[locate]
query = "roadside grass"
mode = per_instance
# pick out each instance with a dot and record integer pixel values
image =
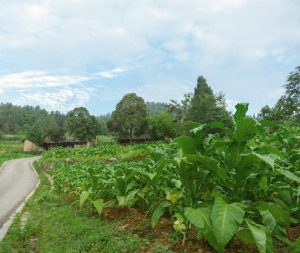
(54, 226)
(11, 147)
(12, 150)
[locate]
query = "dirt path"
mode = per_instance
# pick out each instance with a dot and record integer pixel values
(17, 181)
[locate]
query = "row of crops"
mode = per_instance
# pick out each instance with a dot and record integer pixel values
(227, 183)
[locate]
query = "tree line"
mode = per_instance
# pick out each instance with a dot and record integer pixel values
(134, 117)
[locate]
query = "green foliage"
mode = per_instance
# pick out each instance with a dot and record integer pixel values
(259, 235)
(243, 183)
(104, 139)
(159, 211)
(11, 147)
(219, 224)
(155, 108)
(36, 133)
(161, 125)
(53, 129)
(226, 220)
(288, 106)
(202, 102)
(202, 106)
(81, 124)
(102, 122)
(246, 165)
(45, 128)
(205, 106)
(180, 110)
(129, 117)
(15, 119)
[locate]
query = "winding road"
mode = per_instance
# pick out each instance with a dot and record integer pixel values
(17, 180)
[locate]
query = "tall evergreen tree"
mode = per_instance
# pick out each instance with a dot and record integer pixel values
(206, 106)
(202, 102)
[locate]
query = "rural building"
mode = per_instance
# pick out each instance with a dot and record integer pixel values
(67, 142)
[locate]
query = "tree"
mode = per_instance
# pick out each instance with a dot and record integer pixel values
(36, 133)
(206, 106)
(219, 112)
(203, 102)
(161, 125)
(102, 121)
(288, 105)
(179, 111)
(155, 107)
(53, 130)
(266, 113)
(201, 106)
(129, 117)
(81, 124)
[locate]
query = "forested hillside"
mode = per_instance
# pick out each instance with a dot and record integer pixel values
(14, 119)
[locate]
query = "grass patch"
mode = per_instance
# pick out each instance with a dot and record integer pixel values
(12, 150)
(11, 146)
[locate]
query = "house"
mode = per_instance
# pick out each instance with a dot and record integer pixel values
(67, 142)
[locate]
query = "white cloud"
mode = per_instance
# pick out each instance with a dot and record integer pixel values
(34, 79)
(111, 73)
(62, 100)
(237, 44)
(164, 91)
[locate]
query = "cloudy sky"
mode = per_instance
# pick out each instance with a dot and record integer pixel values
(60, 54)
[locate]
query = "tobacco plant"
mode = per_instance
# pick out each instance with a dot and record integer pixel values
(236, 183)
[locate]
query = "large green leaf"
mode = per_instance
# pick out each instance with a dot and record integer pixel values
(226, 219)
(268, 220)
(296, 246)
(214, 124)
(259, 235)
(288, 174)
(199, 128)
(280, 215)
(83, 197)
(210, 164)
(295, 157)
(245, 235)
(187, 144)
(159, 211)
(268, 159)
(245, 130)
(99, 204)
(200, 218)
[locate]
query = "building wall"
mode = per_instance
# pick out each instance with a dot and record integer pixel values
(30, 146)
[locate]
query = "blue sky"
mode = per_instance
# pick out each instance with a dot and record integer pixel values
(63, 54)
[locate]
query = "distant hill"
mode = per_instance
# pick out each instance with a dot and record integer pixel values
(16, 119)
(155, 107)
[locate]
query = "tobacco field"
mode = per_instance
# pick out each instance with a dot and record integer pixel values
(225, 184)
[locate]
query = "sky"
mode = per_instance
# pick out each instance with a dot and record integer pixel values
(65, 54)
